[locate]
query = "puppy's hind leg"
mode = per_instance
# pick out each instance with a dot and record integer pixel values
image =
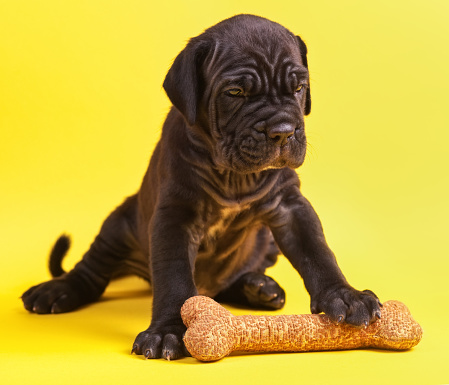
(255, 289)
(87, 281)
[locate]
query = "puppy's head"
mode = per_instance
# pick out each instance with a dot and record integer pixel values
(244, 86)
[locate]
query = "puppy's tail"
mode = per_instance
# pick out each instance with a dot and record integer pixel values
(57, 254)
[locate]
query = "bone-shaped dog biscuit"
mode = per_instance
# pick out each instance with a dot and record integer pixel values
(213, 332)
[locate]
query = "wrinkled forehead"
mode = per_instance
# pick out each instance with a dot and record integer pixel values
(259, 47)
(274, 62)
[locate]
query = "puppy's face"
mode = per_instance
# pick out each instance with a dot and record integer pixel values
(256, 107)
(252, 87)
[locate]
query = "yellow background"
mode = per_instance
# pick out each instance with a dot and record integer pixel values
(81, 108)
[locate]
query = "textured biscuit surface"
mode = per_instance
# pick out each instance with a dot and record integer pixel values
(213, 332)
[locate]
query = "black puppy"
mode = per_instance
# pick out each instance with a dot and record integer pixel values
(219, 196)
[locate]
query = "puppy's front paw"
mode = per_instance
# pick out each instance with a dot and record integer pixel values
(344, 303)
(161, 342)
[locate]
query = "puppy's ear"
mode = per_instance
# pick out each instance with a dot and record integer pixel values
(184, 83)
(303, 50)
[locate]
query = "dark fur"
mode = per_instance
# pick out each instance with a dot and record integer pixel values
(219, 195)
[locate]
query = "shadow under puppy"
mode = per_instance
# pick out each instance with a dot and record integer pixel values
(220, 194)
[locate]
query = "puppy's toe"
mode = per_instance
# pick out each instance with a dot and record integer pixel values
(165, 342)
(263, 291)
(55, 296)
(358, 308)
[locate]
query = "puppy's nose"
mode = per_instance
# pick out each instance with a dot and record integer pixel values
(280, 133)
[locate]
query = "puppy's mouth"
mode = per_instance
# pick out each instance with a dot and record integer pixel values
(265, 155)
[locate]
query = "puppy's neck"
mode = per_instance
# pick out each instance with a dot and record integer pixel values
(233, 189)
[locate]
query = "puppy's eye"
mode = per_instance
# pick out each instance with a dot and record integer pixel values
(299, 88)
(234, 92)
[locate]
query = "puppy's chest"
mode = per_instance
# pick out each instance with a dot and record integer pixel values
(221, 222)
(226, 228)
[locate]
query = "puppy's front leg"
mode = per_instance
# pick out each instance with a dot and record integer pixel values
(299, 234)
(172, 254)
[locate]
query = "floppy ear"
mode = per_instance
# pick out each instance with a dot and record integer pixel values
(183, 83)
(303, 50)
